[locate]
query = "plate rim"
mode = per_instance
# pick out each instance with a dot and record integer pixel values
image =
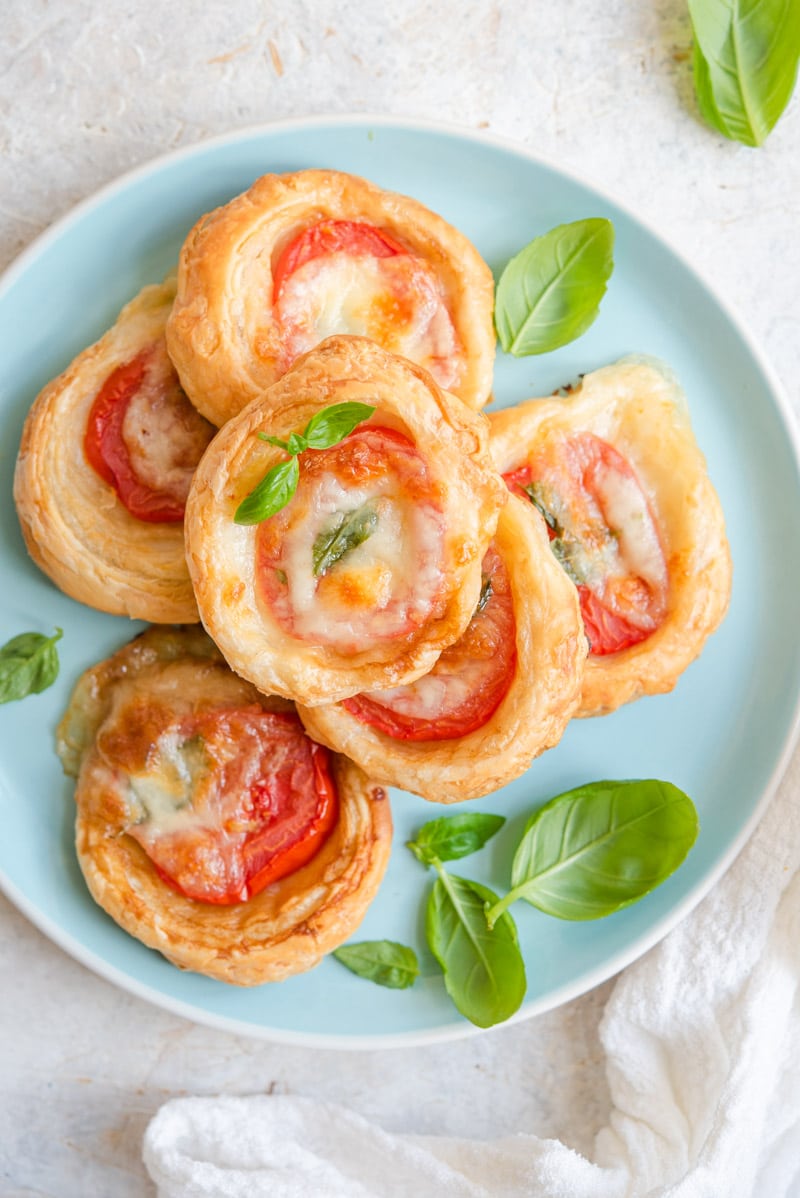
(588, 979)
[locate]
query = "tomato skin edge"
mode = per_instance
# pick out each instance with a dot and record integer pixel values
(107, 454)
(330, 237)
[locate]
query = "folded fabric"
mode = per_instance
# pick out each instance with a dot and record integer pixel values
(702, 1039)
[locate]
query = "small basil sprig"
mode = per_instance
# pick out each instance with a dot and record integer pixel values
(550, 292)
(325, 429)
(484, 973)
(28, 664)
(745, 63)
(599, 847)
(382, 961)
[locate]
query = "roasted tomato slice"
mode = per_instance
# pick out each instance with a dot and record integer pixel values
(356, 556)
(468, 682)
(351, 277)
(231, 801)
(144, 438)
(603, 532)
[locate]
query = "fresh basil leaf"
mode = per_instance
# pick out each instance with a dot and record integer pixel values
(296, 443)
(348, 532)
(745, 63)
(454, 836)
(334, 423)
(484, 973)
(599, 847)
(28, 665)
(273, 493)
(382, 961)
(550, 293)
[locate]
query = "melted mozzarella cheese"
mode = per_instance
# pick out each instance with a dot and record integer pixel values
(161, 797)
(381, 588)
(396, 301)
(628, 516)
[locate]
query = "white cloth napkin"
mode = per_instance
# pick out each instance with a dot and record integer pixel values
(702, 1038)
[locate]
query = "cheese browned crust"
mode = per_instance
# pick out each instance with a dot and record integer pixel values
(222, 336)
(290, 925)
(637, 406)
(75, 527)
(543, 695)
(221, 554)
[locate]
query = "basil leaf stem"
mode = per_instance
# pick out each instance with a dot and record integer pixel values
(346, 534)
(454, 836)
(599, 847)
(325, 429)
(28, 664)
(550, 292)
(384, 962)
(745, 63)
(484, 973)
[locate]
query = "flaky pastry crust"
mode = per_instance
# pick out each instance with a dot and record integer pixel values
(289, 926)
(75, 527)
(222, 336)
(638, 407)
(544, 692)
(221, 553)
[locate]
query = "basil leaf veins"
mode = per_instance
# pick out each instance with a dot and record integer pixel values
(484, 973)
(745, 63)
(384, 962)
(28, 664)
(550, 293)
(599, 847)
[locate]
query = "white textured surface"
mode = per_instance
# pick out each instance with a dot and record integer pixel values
(89, 90)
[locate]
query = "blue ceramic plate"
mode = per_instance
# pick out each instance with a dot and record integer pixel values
(724, 733)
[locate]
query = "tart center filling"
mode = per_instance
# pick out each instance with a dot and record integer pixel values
(603, 532)
(350, 277)
(144, 438)
(223, 801)
(357, 555)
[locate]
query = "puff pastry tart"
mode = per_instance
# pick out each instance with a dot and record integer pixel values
(374, 565)
(107, 454)
(633, 518)
(209, 825)
(494, 700)
(301, 257)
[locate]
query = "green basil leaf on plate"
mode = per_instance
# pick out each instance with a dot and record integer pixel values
(384, 962)
(600, 847)
(454, 836)
(745, 63)
(28, 665)
(550, 292)
(484, 973)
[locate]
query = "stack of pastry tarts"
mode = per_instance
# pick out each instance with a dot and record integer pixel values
(434, 598)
